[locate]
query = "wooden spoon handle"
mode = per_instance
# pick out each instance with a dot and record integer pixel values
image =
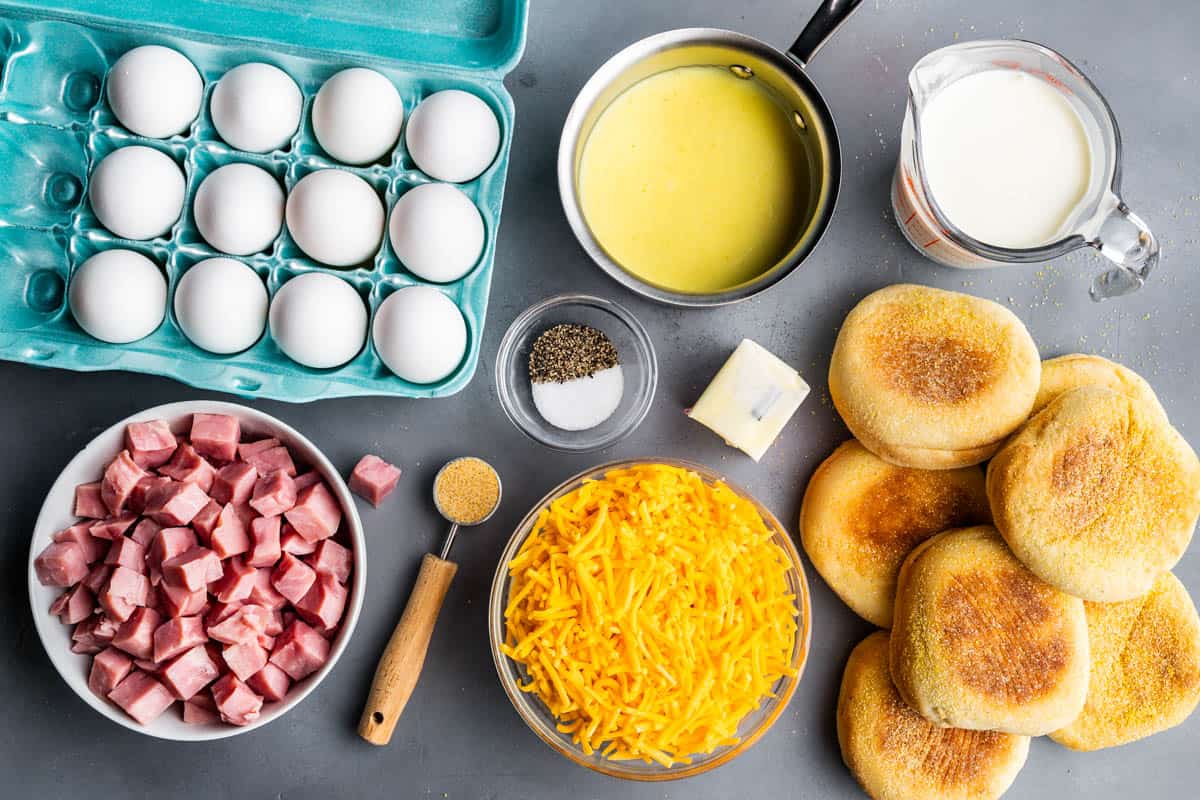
(402, 659)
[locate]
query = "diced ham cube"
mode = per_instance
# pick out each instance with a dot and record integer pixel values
(61, 564)
(113, 528)
(205, 520)
(179, 601)
(219, 612)
(175, 503)
(316, 514)
(145, 532)
(229, 537)
(234, 483)
(373, 479)
(189, 672)
(247, 449)
(109, 667)
(127, 553)
(200, 710)
(146, 665)
(307, 479)
(125, 591)
(300, 651)
(141, 697)
(136, 634)
(177, 635)
(136, 504)
(294, 543)
(236, 583)
(150, 443)
(333, 558)
(266, 641)
(93, 634)
(97, 578)
(292, 578)
(243, 625)
(264, 594)
(81, 534)
(216, 436)
(192, 570)
(168, 543)
(245, 658)
(271, 682)
(88, 502)
(264, 535)
(273, 459)
(236, 702)
(274, 494)
(188, 466)
(324, 603)
(275, 625)
(74, 605)
(119, 479)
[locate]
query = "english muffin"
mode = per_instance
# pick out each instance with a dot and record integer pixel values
(1145, 668)
(895, 754)
(932, 379)
(980, 642)
(862, 515)
(1064, 373)
(1097, 495)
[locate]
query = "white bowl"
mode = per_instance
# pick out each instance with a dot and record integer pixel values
(56, 514)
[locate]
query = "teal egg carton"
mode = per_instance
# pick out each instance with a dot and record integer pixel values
(56, 126)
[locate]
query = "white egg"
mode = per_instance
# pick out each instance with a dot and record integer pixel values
(118, 296)
(335, 217)
(453, 136)
(318, 320)
(155, 91)
(357, 116)
(420, 334)
(137, 192)
(256, 107)
(221, 305)
(239, 209)
(436, 232)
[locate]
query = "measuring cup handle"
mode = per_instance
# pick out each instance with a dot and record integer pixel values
(824, 23)
(1124, 239)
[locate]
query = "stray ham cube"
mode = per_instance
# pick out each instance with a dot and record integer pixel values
(61, 564)
(229, 537)
(136, 504)
(178, 601)
(272, 459)
(178, 635)
(243, 625)
(141, 697)
(136, 634)
(264, 594)
(127, 553)
(373, 479)
(175, 503)
(333, 558)
(109, 667)
(244, 658)
(264, 535)
(74, 605)
(294, 543)
(88, 502)
(113, 528)
(145, 532)
(119, 479)
(216, 436)
(150, 443)
(300, 651)
(292, 578)
(316, 514)
(324, 603)
(187, 466)
(81, 534)
(200, 710)
(236, 702)
(189, 672)
(271, 682)
(192, 570)
(274, 494)
(234, 483)
(236, 583)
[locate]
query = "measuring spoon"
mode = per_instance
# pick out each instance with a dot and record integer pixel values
(402, 659)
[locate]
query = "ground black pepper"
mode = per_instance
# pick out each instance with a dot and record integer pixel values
(565, 352)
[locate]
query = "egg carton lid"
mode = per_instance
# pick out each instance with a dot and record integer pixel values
(482, 36)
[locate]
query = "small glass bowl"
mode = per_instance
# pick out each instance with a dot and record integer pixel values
(634, 348)
(542, 722)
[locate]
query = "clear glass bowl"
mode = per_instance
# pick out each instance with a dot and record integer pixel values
(542, 722)
(634, 348)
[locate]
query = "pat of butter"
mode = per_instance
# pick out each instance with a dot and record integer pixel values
(751, 399)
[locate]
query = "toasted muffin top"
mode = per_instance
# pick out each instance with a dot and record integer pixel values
(1068, 372)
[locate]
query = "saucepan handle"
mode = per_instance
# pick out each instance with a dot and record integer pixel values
(824, 23)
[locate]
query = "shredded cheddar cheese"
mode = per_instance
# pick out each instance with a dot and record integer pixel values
(651, 612)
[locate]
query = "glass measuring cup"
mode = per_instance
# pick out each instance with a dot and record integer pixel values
(1100, 219)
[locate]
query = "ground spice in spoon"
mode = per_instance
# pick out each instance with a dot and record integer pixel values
(466, 490)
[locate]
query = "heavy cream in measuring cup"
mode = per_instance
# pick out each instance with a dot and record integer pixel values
(1006, 157)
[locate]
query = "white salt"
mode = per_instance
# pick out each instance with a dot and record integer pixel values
(580, 403)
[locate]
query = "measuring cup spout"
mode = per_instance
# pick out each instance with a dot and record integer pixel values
(1123, 238)
(824, 23)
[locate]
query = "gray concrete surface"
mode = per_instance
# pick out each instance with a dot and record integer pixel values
(460, 738)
